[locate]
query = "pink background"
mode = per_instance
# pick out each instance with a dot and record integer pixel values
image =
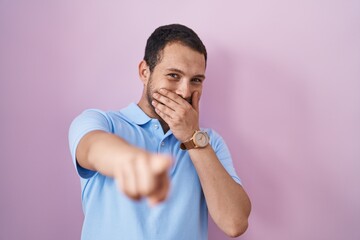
(283, 88)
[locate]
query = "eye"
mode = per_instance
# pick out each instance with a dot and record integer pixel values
(173, 75)
(197, 80)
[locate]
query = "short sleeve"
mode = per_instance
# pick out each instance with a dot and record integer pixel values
(223, 154)
(87, 121)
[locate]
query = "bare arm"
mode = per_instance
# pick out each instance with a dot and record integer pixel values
(227, 201)
(137, 172)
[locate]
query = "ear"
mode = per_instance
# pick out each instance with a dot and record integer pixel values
(144, 72)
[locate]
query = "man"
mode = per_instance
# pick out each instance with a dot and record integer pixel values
(149, 171)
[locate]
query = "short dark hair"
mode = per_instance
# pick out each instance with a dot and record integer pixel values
(166, 34)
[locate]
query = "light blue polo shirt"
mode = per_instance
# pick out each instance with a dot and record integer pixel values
(110, 215)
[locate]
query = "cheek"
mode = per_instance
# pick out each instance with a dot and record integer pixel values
(158, 82)
(168, 84)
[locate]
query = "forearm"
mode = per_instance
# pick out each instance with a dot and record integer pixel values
(227, 202)
(101, 151)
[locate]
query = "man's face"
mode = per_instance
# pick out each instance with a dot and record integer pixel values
(180, 70)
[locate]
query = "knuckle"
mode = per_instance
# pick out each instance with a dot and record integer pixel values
(144, 191)
(131, 194)
(167, 100)
(146, 188)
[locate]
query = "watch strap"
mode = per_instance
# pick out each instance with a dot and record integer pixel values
(188, 145)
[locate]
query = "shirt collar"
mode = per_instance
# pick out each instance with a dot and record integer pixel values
(135, 114)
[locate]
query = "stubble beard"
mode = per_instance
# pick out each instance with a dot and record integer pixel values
(149, 92)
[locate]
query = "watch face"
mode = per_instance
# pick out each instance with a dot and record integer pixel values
(201, 139)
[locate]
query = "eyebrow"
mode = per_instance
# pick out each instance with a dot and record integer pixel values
(181, 72)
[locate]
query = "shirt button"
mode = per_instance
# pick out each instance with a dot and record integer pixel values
(156, 126)
(162, 144)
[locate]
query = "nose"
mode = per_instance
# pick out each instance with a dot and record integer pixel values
(184, 90)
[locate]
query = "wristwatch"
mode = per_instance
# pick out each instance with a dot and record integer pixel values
(199, 139)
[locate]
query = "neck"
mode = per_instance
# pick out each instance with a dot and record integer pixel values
(164, 125)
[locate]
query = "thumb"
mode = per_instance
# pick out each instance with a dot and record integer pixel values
(195, 100)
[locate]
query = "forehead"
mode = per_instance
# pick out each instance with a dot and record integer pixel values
(179, 56)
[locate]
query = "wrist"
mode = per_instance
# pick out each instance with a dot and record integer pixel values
(189, 135)
(199, 139)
